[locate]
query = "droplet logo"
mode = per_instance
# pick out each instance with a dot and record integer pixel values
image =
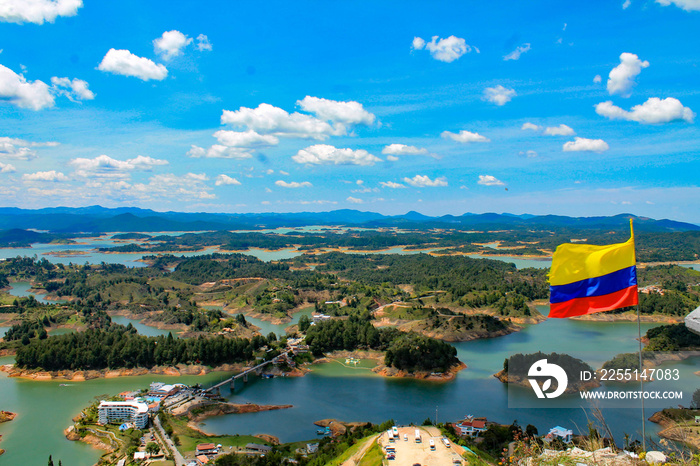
(541, 369)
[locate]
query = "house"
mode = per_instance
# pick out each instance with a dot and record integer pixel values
(311, 448)
(202, 459)
(162, 390)
(140, 455)
(471, 426)
(255, 447)
(559, 432)
(206, 449)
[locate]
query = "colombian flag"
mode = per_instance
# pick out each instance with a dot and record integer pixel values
(585, 278)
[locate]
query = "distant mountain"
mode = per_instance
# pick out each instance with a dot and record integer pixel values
(97, 219)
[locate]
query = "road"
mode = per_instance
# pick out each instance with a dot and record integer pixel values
(179, 460)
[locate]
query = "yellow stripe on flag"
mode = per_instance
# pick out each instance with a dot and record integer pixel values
(575, 262)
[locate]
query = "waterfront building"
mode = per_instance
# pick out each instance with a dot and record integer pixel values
(471, 426)
(123, 411)
(559, 432)
(162, 390)
(207, 449)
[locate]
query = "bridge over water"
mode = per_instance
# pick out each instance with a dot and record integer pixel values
(244, 375)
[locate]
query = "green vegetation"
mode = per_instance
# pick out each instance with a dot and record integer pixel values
(404, 351)
(675, 337)
(119, 346)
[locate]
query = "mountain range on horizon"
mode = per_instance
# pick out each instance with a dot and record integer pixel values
(97, 219)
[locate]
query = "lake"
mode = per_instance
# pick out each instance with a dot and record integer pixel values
(335, 391)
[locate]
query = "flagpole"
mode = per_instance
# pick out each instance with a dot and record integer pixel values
(641, 381)
(641, 366)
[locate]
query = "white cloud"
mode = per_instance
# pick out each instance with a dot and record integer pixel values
(19, 149)
(51, 175)
(597, 79)
(346, 113)
(171, 43)
(267, 119)
(422, 181)
(515, 54)
(335, 118)
(18, 91)
(464, 136)
(203, 43)
(531, 126)
(324, 154)
(587, 145)
(403, 149)
(561, 130)
(626, 4)
(7, 168)
(499, 95)
(37, 11)
(247, 138)
(188, 186)
(282, 172)
(488, 180)
(126, 63)
(106, 166)
(218, 151)
(418, 43)
(354, 200)
(391, 184)
(654, 110)
(446, 50)
(293, 184)
(621, 78)
(225, 180)
(75, 89)
(392, 158)
(687, 5)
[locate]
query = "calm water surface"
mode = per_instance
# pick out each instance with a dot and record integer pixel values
(357, 394)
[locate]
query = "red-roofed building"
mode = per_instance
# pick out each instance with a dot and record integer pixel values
(201, 459)
(471, 426)
(207, 449)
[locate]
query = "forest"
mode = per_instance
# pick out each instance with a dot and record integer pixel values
(122, 347)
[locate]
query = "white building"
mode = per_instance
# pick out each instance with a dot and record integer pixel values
(123, 411)
(559, 432)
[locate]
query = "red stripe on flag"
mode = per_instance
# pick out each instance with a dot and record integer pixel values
(582, 306)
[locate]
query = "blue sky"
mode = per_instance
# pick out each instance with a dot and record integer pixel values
(573, 108)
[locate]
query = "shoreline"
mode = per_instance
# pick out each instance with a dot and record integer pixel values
(85, 375)
(6, 416)
(675, 431)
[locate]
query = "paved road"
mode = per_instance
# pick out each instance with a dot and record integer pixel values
(179, 460)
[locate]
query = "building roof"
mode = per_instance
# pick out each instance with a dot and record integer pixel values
(476, 423)
(141, 407)
(203, 459)
(257, 446)
(206, 446)
(560, 431)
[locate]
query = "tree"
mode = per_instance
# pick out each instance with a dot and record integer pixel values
(152, 448)
(304, 323)
(695, 403)
(50, 461)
